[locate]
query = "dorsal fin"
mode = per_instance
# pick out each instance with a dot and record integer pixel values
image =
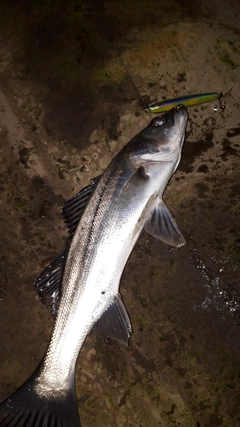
(48, 284)
(74, 207)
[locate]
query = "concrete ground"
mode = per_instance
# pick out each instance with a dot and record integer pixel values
(67, 105)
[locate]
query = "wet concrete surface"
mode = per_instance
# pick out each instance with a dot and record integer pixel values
(67, 105)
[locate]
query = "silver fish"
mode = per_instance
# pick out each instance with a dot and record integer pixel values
(120, 203)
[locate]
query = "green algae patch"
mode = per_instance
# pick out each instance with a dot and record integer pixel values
(141, 321)
(228, 52)
(112, 73)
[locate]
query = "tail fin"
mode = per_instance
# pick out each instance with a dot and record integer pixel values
(25, 408)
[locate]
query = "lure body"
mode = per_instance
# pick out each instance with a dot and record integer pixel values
(187, 101)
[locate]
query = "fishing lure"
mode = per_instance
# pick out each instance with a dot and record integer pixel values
(188, 101)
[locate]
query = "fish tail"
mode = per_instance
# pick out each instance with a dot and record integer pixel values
(26, 408)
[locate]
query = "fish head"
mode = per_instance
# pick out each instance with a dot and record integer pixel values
(161, 140)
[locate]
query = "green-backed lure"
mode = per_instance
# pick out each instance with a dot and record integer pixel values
(188, 101)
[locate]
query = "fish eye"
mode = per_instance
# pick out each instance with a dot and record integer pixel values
(158, 121)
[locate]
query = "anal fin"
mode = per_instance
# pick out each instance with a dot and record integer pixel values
(114, 322)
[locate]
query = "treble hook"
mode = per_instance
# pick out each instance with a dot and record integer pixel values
(222, 103)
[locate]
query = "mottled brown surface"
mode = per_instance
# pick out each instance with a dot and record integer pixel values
(67, 105)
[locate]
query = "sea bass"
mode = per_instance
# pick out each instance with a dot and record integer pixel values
(126, 199)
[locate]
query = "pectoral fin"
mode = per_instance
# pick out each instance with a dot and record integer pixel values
(162, 226)
(114, 322)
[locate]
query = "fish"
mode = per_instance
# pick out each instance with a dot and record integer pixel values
(105, 221)
(188, 101)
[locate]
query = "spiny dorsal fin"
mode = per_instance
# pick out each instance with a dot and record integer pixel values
(74, 207)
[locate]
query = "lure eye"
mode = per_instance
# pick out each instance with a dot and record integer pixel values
(158, 122)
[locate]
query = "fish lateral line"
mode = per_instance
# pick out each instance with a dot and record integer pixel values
(187, 101)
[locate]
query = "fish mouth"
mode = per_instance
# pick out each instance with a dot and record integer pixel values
(178, 114)
(161, 140)
(180, 119)
(165, 137)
